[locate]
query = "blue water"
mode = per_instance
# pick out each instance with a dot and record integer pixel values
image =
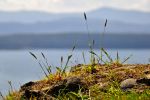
(20, 67)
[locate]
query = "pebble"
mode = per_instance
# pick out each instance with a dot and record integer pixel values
(128, 83)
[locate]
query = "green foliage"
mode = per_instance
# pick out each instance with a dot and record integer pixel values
(115, 93)
(107, 55)
(72, 96)
(109, 60)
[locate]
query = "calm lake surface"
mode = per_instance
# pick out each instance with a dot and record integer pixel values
(19, 67)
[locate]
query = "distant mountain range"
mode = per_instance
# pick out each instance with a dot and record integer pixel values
(119, 21)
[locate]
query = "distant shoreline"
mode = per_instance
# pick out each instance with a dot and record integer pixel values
(67, 41)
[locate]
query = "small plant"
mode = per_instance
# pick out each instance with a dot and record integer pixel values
(110, 61)
(117, 61)
(102, 38)
(46, 68)
(62, 70)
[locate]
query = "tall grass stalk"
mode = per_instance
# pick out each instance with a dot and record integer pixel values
(102, 38)
(90, 41)
(87, 27)
(103, 34)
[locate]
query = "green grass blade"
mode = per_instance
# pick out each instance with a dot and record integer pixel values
(107, 55)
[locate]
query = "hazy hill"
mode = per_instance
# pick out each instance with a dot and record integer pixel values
(126, 16)
(119, 21)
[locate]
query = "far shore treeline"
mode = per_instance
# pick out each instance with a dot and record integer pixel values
(67, 41)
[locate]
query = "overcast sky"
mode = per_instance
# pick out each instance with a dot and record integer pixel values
(57, 6)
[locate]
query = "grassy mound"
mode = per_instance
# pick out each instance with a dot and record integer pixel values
(92, 82)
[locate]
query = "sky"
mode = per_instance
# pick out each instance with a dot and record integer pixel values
(59, 6)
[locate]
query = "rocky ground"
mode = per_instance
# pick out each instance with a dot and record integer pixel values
(92, 82)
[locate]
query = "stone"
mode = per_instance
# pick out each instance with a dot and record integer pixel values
(128, 83)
